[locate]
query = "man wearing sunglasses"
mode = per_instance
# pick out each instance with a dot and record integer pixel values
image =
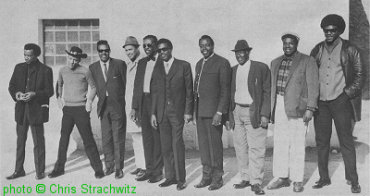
(109, 76)
(340, 75)
(172, 106)
(141, 111)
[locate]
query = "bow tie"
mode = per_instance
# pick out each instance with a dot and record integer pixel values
(151, 58)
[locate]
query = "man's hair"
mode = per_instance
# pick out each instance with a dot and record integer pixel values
(207, 37)
(34, 47)
(165, 41)
(152, 37)
(102, 42)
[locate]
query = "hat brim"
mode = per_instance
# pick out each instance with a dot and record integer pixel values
(137, 45)
(83, 55)
(239, 49)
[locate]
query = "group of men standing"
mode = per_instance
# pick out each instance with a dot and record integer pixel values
(159, 89)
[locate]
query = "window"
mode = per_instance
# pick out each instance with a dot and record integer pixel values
(60, 35)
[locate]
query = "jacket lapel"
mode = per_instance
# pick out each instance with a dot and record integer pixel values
(173, 69)
(251, 79)
(110, 70)
(295, 62)
(99, 72)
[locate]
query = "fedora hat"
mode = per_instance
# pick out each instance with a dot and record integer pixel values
(131, 40)
(241, 45)
(76, 52)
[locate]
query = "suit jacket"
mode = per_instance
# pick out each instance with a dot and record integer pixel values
(137, 98)
(214, 86)
(41, 82)
(259, 87)
(115, 84)
(175, 88)
(352, 69)
(302, 87)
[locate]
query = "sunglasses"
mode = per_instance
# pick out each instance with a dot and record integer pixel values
(106, 50)
(147, 45)
(330, 30)
(163, 49)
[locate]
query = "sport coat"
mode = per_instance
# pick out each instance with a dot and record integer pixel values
(115, 84)
(41, 82)
(175, 88)
(302, 86)
(214, 86)
(259, 87)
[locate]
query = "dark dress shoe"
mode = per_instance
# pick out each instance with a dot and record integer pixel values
(203, 183)
(298, 187)
(16, 175)
(154, 179)
(241, 184)
(99, 174)
(144, 177)
(216, 185)
(141, 172)
(321, 183)
(167, 183)
(281, 182)
(355, 188)
(109, 171)
(56, 173)
(136, 171)
(40, 176)
(257, 189)
(119, 174)
(180, 186)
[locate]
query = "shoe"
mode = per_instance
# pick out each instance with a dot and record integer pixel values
(136, 171)
(109, 171)
(321, 183)
(281, 182)
(257, 189)
(180, 186)
(242, 184)
(216, 185)
(298, 187)
(99, 174)
(119, 174)
(167, 183)
(154, 179)
(16, 175)
(141, 172)
(355, 188)
(56, 173)
(40, 176)
(203, 183)
(144, 177)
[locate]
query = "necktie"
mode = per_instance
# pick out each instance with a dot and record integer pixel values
(167, 67)
(105, 70)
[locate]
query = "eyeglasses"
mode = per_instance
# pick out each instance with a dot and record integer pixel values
(163, 49)
(147, 45)
(330, 30)
(106, 50)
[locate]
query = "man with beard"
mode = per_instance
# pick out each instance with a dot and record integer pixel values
(72, 94)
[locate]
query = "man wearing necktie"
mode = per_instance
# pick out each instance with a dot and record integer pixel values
(294, 94)
(172, 106)
(109, 76)
(131, 47)
(141, 111)
(212, 96)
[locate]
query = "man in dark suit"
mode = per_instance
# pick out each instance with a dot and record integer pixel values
(172, 105)
(250, 113)
(212, 96)
(109, 76)
(141, 111)
(31, 86)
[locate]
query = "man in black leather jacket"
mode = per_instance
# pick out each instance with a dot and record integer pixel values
(340, 76)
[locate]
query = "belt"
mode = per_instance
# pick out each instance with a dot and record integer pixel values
(243, 105)
(146, 94)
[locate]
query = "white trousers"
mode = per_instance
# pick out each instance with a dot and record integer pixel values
(289, 144)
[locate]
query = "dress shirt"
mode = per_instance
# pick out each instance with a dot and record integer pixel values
(242, 95)
(148, 74)
(102, 69)
(168, 64)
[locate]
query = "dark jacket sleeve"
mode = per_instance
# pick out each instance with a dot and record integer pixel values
(135, 97)
(354, 88)
(266, 92)
(48, 89)
(189, 102)
(225, 75)
(13, 83)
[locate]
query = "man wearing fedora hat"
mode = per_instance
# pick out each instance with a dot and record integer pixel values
(340, 75)
(132, 51)
(249, 116)
(294, 93)
(74, 100)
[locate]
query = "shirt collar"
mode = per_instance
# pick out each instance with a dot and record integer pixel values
(210, 56)
(290, 57)
(170, 61)
(335, 43)
(107, 63)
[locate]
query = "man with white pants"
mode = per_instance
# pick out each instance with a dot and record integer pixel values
(294, 95)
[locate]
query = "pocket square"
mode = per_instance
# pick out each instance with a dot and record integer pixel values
(45, 105)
